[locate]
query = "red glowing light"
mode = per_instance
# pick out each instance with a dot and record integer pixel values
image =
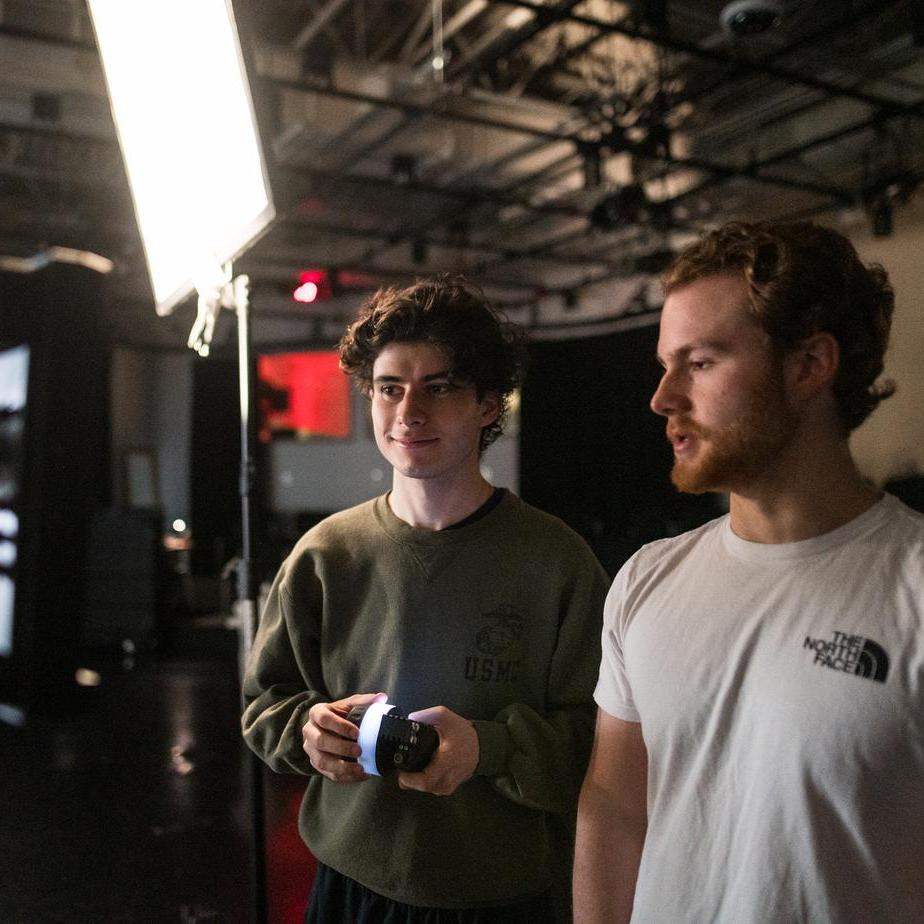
(306, 293)
(313, 286)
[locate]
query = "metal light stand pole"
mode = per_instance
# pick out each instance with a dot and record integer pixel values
(217, 292)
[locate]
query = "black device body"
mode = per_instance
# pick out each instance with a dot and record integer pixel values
(402, 744)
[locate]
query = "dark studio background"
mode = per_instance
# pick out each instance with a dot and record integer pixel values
(593, 453)
(140, 781)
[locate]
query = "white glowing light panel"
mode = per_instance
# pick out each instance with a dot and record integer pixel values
(14, 378)
(186, 124)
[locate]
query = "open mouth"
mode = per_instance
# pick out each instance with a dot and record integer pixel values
(682, 442)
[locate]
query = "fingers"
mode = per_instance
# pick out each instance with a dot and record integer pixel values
(332, 717)
(455, 759)
(431, 716)
(335, 745)
(336, 770)
(329, 738)
(435, 784)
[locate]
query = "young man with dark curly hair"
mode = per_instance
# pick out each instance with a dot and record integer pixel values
(759, 752)
(456, 600)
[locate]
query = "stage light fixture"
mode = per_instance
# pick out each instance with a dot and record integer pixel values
(185, 120)
(881, 215)
(306, 293)
(591, 165)
(627, 206)
(313, 286)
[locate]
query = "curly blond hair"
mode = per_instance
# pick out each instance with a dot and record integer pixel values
(803, 279)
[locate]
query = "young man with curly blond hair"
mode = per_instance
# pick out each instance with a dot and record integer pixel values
(759, 753)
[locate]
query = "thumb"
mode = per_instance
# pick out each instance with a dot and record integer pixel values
(429, 716)
(364, 699)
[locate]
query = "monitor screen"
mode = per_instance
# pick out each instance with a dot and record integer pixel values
(303, 395)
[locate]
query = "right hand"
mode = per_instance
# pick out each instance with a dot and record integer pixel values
(329, 738)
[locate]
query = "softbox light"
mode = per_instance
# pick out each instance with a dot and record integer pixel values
(185, 119)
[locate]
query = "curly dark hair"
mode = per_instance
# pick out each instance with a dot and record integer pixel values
(484, 349)
(803, 279)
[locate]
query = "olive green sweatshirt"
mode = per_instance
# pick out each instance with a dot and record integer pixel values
(498, 620)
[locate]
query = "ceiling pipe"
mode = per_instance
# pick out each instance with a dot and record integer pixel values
(637, 148)
(462, 18)
(71, 255)
(390, 240)
(307, 35)
(675, 44)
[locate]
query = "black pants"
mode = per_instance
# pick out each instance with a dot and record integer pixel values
(337, 899)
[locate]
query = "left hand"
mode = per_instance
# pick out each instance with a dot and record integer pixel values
(455, 759)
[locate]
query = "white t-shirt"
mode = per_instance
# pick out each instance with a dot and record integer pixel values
(780, 689)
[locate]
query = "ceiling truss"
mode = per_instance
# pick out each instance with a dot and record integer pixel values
(512, 160)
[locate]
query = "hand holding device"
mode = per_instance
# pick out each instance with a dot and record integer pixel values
(330, 739)
(456, 757)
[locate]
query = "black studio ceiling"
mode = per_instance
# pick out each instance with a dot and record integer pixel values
(557, 152)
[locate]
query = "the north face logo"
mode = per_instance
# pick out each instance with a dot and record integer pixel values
(852, 654)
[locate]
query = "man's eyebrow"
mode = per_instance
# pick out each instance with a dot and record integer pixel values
(427, 378)
(714, 346)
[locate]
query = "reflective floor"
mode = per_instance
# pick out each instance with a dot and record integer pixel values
(132, 804)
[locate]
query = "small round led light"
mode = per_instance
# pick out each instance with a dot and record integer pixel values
(390, 741)
(306, 293)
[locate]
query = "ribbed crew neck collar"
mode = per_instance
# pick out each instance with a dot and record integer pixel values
(404, 532)
(863, 524)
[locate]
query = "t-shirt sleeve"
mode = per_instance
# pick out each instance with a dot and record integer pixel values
(613, 692)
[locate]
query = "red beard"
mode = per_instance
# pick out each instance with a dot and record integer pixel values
(740, 452)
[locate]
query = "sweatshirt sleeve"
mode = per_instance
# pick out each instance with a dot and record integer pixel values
(539, 760)
(282, 680)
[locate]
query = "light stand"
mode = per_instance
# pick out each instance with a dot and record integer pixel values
(223, 290)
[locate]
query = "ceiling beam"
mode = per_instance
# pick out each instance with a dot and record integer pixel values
(317, 22)
(509, 40)
(637, 148)
(665, 40)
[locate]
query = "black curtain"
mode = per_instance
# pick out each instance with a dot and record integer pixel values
(215, 464)
(592, 451)
(66, 476)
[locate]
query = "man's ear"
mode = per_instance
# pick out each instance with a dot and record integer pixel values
(490, 408)
(813, 363)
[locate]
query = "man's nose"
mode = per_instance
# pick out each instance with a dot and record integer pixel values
(411, 410)
(670, 396)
